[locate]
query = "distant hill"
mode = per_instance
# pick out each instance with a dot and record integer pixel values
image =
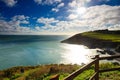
(96, 39)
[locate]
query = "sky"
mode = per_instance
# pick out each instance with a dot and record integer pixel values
(58, 16)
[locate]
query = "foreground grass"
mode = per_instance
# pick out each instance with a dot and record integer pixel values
(45, 72)
(103, 36)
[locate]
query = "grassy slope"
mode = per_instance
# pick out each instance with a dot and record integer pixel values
(103, 36)
(44, 72)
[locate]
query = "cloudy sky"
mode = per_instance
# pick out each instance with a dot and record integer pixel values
(58, 16)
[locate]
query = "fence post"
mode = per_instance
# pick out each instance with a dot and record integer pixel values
(97, 67)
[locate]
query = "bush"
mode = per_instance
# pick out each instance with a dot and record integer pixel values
(15, 76)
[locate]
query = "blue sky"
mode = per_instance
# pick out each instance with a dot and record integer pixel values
(58, 16)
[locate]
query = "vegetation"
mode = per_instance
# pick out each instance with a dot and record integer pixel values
(45, 72)
(98, 35)
(96, 39)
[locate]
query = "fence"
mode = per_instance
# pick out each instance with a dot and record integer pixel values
(95, 76)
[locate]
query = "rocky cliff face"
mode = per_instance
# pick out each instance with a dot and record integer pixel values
(91, 42)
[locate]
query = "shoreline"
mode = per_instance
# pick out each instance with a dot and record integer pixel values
(91, 43)
(96, 39)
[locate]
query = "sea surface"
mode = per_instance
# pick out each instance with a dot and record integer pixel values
(25, 50)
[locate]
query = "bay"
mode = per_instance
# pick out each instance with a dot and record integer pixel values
(31, 50)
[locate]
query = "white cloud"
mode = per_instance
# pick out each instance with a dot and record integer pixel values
(78, 3)
(14, 25)
(55, 9)
(115, 27)
(72, 4)
(37, 28)
(72, 16)
(25, 22)
(51, 2)
(60, 5)
(98, 16)
(102, 15)
(95, 17)
(46, 20)
(38, 1)
(10, 3)
(58, 0)
(47, 2)
(20, 17)
(104, 0)
(60, 26)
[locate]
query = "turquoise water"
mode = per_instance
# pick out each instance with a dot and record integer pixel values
(38, 50)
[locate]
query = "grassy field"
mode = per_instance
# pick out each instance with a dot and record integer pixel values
(45, 72)
(112, 37)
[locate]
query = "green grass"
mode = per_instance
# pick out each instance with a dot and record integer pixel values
(97, 35)
(46, 71)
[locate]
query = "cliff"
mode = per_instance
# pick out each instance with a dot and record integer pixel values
(96, 39)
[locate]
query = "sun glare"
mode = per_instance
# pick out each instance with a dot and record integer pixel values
(81, 10)
(76, 54)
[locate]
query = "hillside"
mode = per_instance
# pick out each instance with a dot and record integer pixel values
(96, 39)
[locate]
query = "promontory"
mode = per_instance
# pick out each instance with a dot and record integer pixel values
(96, 39)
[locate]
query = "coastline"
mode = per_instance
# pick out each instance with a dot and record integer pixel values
(43, 71)
(100, 39)
(91, 42)
(96, 39)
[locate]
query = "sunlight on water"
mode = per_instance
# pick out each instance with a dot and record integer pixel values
(76, 54)
(40, 50)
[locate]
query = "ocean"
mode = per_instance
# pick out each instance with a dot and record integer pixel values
(32, 50)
